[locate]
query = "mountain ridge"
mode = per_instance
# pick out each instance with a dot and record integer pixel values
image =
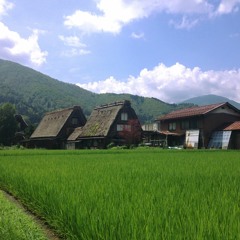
(210, 99)
(34, 93)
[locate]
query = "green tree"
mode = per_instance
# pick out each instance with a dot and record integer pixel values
(8, 124)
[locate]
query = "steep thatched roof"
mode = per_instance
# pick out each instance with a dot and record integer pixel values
(75, 134)
(53, 122)
(100, 121)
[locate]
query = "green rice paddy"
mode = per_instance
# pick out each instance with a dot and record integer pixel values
(129, 194)
(15, 224)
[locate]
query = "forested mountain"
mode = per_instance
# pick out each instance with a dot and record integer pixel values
(211, 99)
(34, 94)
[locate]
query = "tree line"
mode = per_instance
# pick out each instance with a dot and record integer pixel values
(13, 127)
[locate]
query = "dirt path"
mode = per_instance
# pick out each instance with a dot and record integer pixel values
(49, 233)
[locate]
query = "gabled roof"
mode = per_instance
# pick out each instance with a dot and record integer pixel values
(75, 134)
(53, 122)
(194, 111)
(100, 121)
(233, 126)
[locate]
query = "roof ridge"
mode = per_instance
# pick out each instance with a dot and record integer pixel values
(201, 106)
(216, 106)
(193, 111)
(208, 105)
(63, 109)
(117, 103)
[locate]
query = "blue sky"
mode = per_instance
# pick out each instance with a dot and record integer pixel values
(171, 50)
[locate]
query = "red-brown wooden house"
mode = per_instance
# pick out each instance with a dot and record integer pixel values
(198, 122)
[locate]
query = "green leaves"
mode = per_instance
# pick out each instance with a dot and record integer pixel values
(34, 94)
(16, 224)
(8, 124)
(134, 194)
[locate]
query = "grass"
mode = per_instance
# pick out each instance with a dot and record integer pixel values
(129, 194)
(15, 224)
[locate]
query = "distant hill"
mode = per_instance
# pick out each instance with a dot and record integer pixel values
(34, 94)
(210, 99)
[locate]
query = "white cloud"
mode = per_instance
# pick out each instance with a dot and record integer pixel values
(185, 23)
(137, 35)
(5, 6)
(75, 52)
(16, 48)
(228, 6)
(72, 41)
(173, 84)
(88, 22)
(183, 6)
(115, 14)
(76, 46)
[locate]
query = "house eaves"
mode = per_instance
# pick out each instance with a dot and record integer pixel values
(191, 112)
(233, 126)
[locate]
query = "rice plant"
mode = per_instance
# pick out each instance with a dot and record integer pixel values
(16, 224)
(129, 194)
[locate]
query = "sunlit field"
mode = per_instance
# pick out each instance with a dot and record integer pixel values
(16, 224)
(129, 194)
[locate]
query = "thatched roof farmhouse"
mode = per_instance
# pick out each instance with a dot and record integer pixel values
(209, 126)
(106, 125)
(55, 127)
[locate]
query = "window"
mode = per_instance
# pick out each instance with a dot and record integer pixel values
(124, 116)
(172, 126)
(127, 127)
(189, 124)
(121, 127)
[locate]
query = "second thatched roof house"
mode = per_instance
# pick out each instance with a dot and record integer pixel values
(115, 123)
(55, 127)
